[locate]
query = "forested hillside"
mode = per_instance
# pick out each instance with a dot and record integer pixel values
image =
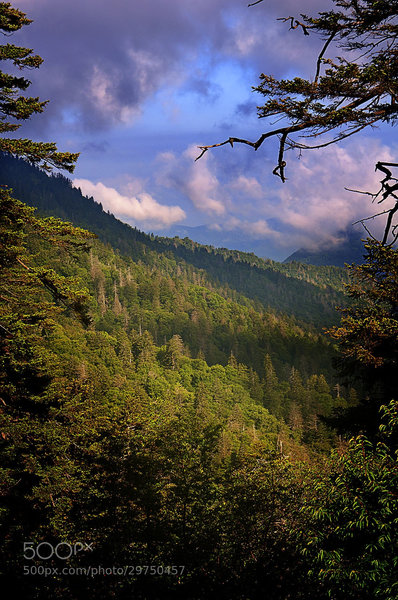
(179, 435)
(179, 421)
(137, 402)
(307, 292)
(168, 302)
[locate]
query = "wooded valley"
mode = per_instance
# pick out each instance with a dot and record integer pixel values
(153, 410)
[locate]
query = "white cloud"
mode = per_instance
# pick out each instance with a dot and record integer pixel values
(196, 180)
(141, 207)
(311, 208)
(260, 229)
(202, 186)
(314, 201)
(249, 186)
(254, 229)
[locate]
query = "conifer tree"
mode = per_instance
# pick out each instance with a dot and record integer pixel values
(368, 334)
(34, 458)
(15, 106)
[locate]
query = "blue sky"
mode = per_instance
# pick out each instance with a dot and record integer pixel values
(137, 86)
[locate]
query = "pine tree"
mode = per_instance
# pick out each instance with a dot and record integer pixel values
(368, 334)
(14, 106)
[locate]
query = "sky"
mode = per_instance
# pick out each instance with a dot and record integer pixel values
(136, 87)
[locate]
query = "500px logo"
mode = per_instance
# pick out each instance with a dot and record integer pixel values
(45, 550)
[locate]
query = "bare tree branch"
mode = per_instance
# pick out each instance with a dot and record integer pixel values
(322, 54)
(386, 191)
(294, 23)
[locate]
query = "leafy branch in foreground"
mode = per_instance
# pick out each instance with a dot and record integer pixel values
(347, 93)
(352, 515)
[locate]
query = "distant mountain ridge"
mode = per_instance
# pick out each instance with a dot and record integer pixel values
(350, 250)
(210, 236)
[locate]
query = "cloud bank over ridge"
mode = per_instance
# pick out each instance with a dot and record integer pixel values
(138, 209)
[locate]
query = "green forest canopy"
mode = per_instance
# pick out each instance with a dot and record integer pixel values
(163, 421)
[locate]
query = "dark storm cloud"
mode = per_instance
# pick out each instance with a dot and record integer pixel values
(204, 88)
(104, 59)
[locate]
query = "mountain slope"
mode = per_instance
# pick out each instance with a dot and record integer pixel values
(309, 293)
(150, 456)
(349, 250)
(204, 234)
